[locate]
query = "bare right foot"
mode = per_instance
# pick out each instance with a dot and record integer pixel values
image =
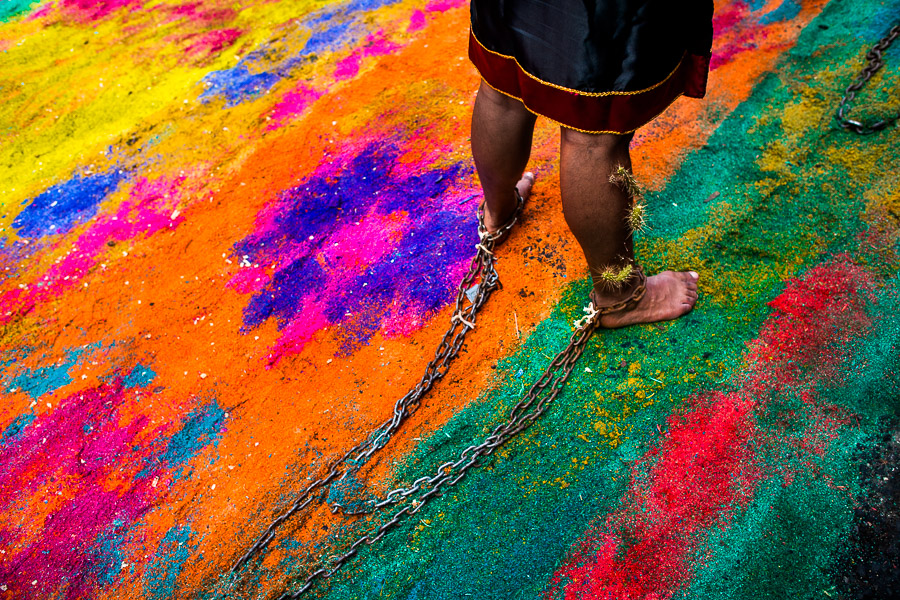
(669, 295)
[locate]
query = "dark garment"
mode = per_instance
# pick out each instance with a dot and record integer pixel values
(600, 66)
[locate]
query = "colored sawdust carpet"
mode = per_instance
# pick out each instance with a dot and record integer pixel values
(230, 239)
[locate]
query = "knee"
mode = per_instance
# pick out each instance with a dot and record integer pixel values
(602, 143)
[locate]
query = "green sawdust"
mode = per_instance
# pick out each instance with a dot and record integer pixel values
(12, 8)
(800, 529)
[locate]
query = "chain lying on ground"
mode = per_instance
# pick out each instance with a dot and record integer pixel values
(874, 62)
(462, 320)
(522, 415)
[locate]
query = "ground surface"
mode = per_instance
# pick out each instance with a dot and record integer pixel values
(231, 233)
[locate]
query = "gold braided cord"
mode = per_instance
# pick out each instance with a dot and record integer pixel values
(561, 124)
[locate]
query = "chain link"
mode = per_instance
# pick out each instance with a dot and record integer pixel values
(874, 61)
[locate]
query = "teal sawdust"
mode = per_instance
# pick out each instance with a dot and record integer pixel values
(799, 256)
(159, 581)
(12, 8)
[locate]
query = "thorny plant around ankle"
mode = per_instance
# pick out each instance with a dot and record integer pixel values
(613, 277)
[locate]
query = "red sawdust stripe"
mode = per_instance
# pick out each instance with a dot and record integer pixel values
(707, 466)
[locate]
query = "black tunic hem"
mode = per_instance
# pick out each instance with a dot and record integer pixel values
(613, 112)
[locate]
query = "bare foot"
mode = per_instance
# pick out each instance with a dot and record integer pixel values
(524, 187)
(669, 295)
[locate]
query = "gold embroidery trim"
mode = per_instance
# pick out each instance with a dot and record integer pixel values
(561, 124)
(573, 91)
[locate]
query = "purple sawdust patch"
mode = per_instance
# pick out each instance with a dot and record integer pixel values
(359, 234)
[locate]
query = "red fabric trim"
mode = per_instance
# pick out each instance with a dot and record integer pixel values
(697, 75)
(618, 113)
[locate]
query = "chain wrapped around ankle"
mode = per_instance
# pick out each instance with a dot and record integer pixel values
(412, 498)
(488, 239)
(593, 313)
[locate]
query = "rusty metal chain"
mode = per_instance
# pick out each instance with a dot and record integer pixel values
(534, 404)
(462, 320)
(874, 62)
(523, 414)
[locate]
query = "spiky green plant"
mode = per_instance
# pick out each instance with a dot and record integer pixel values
(623, 178)
(637, 214)
(612, 278)
(637, 217)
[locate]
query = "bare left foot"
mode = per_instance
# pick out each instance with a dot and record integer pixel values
(669, 295)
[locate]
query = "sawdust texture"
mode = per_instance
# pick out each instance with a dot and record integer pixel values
(230, 237)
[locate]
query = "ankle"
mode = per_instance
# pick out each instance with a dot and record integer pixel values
(602, 295)
(497, 214)
(504, 207)
(606, 293)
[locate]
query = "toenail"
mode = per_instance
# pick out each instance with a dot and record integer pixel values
(694, 274)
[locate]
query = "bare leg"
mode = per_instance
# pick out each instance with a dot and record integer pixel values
(502, 130)
(596, 212)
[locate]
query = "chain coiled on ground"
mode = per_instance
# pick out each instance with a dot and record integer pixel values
(522, 415)
(874, 62)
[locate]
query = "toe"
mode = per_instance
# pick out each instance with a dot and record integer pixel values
(689, 280)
